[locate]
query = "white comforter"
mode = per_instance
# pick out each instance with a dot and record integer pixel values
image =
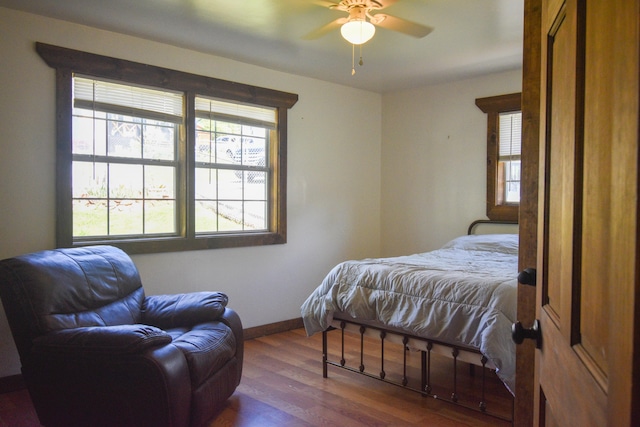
(463, 293)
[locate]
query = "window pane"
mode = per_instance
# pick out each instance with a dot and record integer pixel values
(89, 136)
(204, 152)
(90, 217)
(257, 177)
(250, 152)
(255, 217)
(89, 180)
(125, 181)
(513, 170)
(230, 184)
(513, 192)
(206, 217)
(225, 148)
(159, 182)
(232, 211)
(159, 216)
(124, 137)
(125, 217)
(511, 181)
(206, 183)
(159, 141)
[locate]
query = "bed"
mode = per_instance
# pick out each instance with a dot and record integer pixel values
(459, 300)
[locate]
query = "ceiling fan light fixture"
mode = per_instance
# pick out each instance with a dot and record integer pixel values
(357, 31)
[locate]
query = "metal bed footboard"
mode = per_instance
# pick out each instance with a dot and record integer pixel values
(427, 348)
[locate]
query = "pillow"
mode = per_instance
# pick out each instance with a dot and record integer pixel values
(504, 243)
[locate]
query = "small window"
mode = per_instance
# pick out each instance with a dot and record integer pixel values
(504, 124)
(510, 125)
(153, 160)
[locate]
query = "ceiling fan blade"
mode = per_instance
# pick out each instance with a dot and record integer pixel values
(386, 3)
(325, 3)
(325, 29)
(401, 25)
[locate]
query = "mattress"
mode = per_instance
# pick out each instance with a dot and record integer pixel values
(464, 293)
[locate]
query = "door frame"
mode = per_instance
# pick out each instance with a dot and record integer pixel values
(528, 213)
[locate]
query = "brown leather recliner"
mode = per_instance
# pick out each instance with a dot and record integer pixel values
(95, 351)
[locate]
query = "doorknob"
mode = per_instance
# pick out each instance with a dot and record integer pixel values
(527, 276)
(519, 333)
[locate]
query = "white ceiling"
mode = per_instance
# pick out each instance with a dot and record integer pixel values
(470, 37)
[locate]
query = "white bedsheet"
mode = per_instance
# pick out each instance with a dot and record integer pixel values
(463, 293)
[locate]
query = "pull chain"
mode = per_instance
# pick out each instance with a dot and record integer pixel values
(353, 59)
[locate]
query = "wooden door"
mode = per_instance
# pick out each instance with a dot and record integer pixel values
(587, 263)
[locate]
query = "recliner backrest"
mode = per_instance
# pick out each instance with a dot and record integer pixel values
(69, 288)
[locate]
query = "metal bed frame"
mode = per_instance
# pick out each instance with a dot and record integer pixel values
(427, 347)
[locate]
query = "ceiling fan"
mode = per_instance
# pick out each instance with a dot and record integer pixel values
(359, 26)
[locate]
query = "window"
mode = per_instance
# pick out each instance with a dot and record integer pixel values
(504, 124)
(151, 160)
(125, 163)
(508, 188)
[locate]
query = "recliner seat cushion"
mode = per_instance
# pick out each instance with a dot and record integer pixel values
(207, 347)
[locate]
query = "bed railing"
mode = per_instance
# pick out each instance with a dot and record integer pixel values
(478, 222)
(428, 349)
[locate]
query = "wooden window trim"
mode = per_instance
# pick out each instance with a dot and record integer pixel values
(493, 106)
(67, 62)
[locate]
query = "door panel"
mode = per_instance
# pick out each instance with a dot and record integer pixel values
(577, 399)
(588, 214)
(560, 161)
(596, 214)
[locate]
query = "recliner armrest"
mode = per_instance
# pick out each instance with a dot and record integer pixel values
(102, 340)
(172, 311)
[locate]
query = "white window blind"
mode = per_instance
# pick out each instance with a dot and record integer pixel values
(510, 127)
(235, 112)
(126, 99)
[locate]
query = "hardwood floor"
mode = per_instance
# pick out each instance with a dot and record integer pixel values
(282, 385)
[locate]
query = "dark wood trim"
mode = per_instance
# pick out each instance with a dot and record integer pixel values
(493, 106)
(135, 72)
(500, 103)
(528, 215)
(64, 210)
(273, 328)
(67, 62)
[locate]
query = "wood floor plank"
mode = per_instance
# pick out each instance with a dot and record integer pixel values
(285, 372)
(282, 386)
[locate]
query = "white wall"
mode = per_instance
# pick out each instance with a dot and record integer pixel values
(333, 174)
(403, 175)
(434, 161)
